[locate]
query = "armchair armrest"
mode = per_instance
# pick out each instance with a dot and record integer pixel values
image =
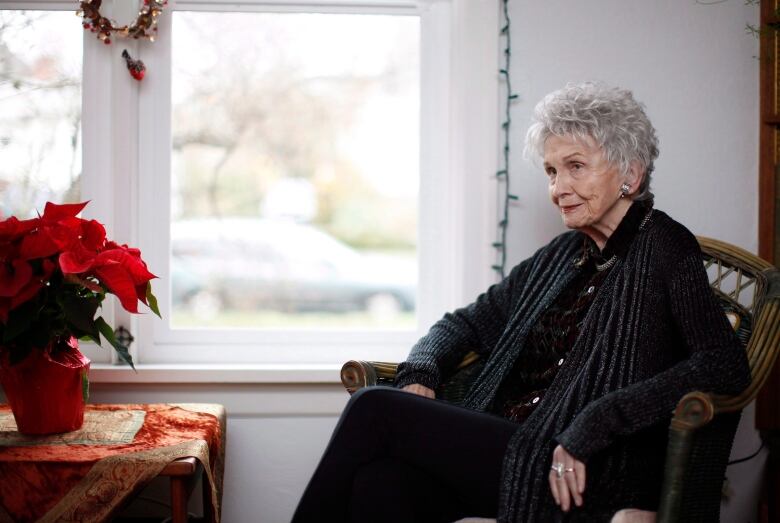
(356, 374)
(697, 410)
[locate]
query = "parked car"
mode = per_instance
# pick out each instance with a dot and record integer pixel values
(252, 263)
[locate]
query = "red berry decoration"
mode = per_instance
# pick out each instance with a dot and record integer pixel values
(136, 67)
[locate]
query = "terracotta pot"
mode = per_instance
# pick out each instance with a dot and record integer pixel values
(45, 389)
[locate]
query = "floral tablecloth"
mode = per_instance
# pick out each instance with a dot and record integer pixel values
(87, 475)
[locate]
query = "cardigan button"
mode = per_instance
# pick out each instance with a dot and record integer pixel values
(560, 362)
(535, 400)
(591, 289)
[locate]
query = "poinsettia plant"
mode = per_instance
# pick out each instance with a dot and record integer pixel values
(55, 271)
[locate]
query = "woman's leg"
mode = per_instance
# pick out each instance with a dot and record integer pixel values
(391, 491)
(448, 448)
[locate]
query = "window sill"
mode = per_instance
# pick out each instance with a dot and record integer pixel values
(210, 373)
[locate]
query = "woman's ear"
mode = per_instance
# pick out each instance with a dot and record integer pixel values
(636, 175)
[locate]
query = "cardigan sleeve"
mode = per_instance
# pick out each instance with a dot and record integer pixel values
(716, 363)
(476, 327)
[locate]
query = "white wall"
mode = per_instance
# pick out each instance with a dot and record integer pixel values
(693, 66)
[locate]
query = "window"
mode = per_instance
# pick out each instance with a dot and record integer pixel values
(40, 110)
(295, 170)
(330, 143)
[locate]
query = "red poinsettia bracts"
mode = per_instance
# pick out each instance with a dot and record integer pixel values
(65, 262)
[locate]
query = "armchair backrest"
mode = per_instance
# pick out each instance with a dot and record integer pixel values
(749, 290)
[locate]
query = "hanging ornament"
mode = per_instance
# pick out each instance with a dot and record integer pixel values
(144, 26)
(136, 67)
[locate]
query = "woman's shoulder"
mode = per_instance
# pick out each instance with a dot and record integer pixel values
(671, 240)
(562, 250)
(565, 245)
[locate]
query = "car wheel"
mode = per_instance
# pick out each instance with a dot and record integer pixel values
(383, 305)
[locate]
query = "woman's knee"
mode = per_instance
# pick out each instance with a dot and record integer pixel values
(371, 398)
(633, 515)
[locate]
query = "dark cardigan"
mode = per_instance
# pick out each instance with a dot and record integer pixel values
(654, 332)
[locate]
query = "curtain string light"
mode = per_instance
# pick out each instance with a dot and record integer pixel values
(503, 174)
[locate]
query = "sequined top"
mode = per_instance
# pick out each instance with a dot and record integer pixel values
(557, 328)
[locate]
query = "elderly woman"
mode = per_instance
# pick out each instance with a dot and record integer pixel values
(589, 344)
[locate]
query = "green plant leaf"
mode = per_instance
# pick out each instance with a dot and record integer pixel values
(19, 321)
(84, 386)
(89, 337)
(151, 299)
(80, 313)
(108, 333)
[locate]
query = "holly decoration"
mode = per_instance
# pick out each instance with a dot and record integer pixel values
(144, 26)
(136, 67)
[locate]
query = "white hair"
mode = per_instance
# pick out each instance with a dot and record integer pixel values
(609, 115)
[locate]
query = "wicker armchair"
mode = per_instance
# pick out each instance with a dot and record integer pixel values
(702, 429)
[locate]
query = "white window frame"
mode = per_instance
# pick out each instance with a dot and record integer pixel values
(98, 101)
(127, 154)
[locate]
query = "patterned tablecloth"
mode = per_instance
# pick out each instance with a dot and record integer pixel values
(88, 474)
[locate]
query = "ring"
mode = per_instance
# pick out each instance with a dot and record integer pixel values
(558, 468)
(568, 470)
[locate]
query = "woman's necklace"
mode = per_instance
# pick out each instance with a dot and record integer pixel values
(607, 264)
(610, 262)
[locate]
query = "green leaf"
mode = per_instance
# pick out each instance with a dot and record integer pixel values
(80, 313)
(151, 299)
(89, 337)
(108, 333)
(84, 386)
(19, 321)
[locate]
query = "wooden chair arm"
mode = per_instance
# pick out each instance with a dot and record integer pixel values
(356, 374)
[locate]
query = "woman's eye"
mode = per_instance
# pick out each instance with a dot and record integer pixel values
(550, 172)
(576, 166)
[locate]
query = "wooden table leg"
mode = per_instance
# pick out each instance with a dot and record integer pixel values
(178, 499)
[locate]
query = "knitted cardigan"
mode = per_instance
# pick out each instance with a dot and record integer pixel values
(654, 332)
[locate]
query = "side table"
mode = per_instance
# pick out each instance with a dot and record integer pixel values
(89, 474)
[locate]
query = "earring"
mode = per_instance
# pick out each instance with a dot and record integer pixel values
(624, 190)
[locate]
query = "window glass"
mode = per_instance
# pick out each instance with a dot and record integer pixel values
(40, 110)
(295, 170)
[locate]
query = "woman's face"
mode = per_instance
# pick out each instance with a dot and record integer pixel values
(584, 186)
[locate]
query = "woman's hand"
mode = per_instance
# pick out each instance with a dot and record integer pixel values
(572, 484)
(416, 388)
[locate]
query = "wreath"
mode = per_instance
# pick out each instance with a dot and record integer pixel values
(144, 26)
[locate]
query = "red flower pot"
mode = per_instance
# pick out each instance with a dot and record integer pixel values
(45, 389)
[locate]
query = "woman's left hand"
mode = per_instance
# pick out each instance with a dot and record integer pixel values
(571, 485)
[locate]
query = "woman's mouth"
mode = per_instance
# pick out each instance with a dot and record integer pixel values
(566, 209)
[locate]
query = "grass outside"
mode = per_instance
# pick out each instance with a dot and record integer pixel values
(279, 320)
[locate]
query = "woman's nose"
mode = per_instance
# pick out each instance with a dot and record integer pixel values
(560, 185)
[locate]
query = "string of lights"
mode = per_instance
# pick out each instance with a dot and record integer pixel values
(503, 173)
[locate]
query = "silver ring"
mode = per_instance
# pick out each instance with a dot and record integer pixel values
(558, 468)
(568, 470)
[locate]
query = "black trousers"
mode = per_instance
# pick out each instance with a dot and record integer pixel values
(399, 457)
